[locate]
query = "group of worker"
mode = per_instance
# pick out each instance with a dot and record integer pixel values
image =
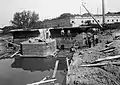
(90, 39)
(66, 35)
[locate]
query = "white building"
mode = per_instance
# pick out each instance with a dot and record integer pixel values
(81, 20)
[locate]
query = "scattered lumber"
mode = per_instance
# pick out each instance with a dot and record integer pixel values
(107, 49)
(42, 82)
(109, 44)
(107, 58)
(4, 56)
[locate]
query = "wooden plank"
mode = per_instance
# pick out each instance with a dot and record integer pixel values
(68, 66)
(107, 51)
(12, 43)
(40, 56)
(93, 65)
(42, 82)
(109, 48)
(99, 64)
(67, 76)
(107, 58)
(14, 54)
(44, 79)
(55, 69)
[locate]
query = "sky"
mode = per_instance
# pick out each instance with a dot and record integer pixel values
(52, 8)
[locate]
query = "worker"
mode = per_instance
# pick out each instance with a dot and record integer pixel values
(62, 32)
(84, 38)
(96, 39)
(69, 34)
(89, 36)
(76, 44)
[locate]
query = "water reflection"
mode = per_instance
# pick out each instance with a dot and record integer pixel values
(42, 65)
(34, 64)
(39, 64)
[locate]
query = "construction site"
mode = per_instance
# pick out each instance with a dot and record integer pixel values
(83, 55)
(98, 65)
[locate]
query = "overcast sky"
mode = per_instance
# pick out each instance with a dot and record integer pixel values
(52, 8)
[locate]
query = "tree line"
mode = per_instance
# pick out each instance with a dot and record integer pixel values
(27, 20)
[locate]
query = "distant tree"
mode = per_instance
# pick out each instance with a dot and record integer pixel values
(6, 29)
(109, 13)
(25, 19)
(118, 13)
(65, 15)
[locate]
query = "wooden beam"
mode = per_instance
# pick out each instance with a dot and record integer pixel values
(14, 54)
(68, 67)
(42, 82)
(99, 64)
(107, 58)
(12, 43)
(55, 69)
(107, 49)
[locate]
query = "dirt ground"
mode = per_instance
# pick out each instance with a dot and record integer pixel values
(108, 74)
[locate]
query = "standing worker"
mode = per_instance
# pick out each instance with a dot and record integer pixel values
(62, 33)
(89, 40)
(69, 34)
(96, 39)
(84, 39)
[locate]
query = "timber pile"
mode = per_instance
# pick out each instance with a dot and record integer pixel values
(92, 66)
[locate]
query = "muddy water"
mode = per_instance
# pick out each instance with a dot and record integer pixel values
(22, 71)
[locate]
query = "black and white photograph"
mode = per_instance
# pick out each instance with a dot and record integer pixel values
(59, 42)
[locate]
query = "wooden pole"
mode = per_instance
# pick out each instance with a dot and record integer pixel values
(44, 79)
(92, 15)
(68, 67)
(108, 58)
(55, 69)
(12, 43)
(14, 54)
(42, 82)
(99, 64)
(103, 11)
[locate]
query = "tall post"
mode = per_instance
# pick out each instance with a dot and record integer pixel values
(80, 10)
(103, 11)
(97, 11)
(91, 15)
